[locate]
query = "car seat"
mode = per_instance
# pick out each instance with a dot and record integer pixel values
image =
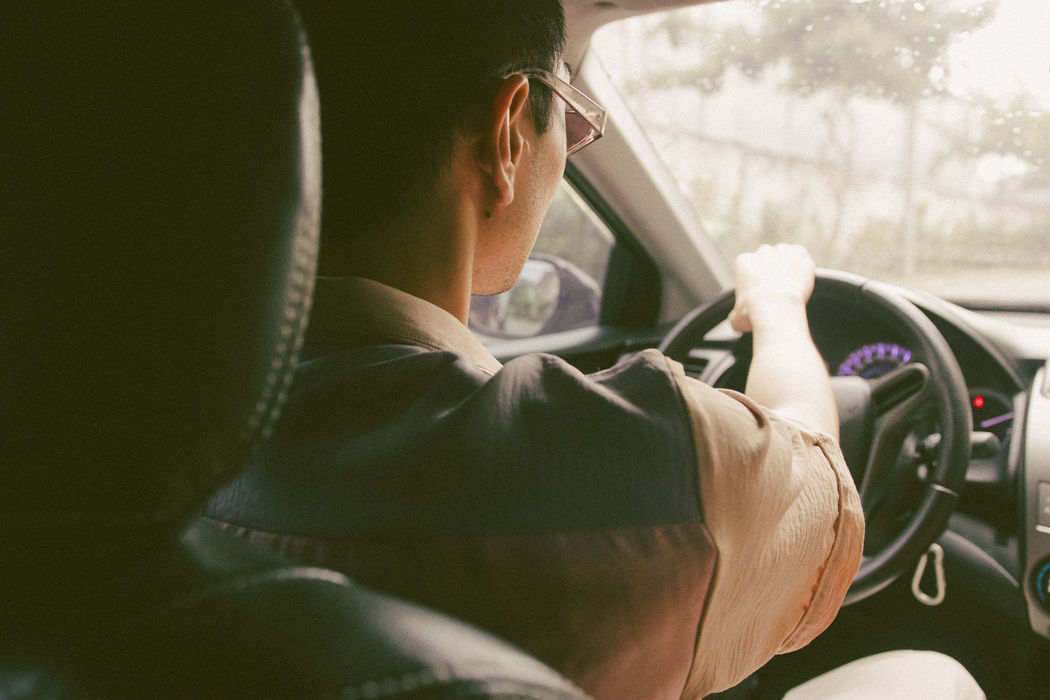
(159, 213)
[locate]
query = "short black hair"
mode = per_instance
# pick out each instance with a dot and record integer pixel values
(398, 78)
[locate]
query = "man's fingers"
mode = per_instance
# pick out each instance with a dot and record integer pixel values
(740, 320)
(782, 269)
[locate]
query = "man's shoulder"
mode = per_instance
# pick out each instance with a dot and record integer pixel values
(390, 438)
(642, 385)
(647, 375)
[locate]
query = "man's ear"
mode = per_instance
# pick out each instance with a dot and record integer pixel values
(502, 141)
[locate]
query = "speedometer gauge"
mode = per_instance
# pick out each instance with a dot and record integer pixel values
(874, 360)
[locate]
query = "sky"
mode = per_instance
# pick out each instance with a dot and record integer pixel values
(1012, 52)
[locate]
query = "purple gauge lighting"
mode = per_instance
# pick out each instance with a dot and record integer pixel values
(874, 360)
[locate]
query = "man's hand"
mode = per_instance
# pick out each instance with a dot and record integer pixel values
(766, 280)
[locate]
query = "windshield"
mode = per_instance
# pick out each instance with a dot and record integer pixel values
(905, 141)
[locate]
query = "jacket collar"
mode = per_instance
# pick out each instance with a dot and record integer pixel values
(359, 311)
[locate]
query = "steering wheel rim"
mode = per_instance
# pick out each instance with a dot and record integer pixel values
(933, 388)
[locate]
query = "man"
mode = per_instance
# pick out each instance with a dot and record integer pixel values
(648, 536)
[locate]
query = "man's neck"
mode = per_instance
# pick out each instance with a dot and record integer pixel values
(456, 301)
(429, 256)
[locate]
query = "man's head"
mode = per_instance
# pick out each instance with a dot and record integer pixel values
(400, 80)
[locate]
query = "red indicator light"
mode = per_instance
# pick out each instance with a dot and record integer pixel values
(978, 401)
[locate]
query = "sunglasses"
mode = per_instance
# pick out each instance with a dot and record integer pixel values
(584, 119)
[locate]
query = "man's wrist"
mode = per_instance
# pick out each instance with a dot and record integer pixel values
(777, 312)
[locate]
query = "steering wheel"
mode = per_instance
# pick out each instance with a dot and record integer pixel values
(878, 419)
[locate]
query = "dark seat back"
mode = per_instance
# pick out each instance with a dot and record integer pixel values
(159, 207)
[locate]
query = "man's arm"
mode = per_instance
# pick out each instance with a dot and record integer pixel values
(787, 374)
(778, 499)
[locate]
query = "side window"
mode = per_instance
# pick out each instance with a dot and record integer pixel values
(560, 287)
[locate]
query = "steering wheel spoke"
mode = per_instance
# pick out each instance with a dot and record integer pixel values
(710, 360)
(900, 401)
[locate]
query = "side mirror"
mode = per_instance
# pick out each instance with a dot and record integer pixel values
(551, 295)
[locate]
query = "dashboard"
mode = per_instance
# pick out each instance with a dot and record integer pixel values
(1005, 507)
(993, 411)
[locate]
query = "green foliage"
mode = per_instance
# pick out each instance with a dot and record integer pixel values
(884, 49)
(975, 242)
(868, 255)
(891, 49)
(1018, 132)
(695, 38)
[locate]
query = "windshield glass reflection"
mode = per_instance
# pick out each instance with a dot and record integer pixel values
(900, 140)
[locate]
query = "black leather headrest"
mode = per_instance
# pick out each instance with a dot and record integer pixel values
(159, 209)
